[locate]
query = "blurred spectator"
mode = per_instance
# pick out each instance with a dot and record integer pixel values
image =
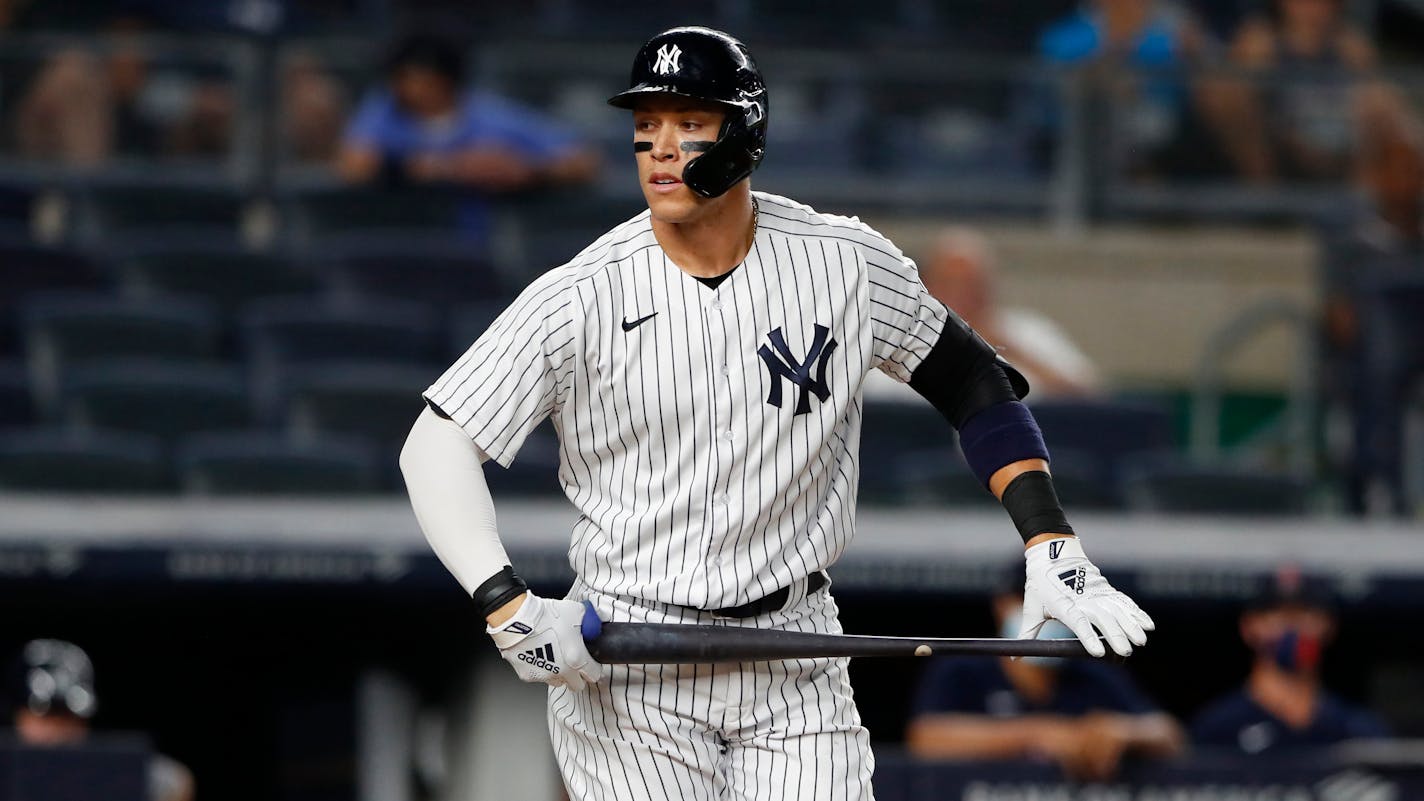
(1300, 116)
(85, 108)
(1155, 126)
(313, 110)
(961, 270)
(425, 127)
(52, 696)
(1284, 704)
(1384, 238)
(1084, 715)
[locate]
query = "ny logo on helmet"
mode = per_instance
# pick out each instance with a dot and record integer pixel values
(669, 56)
(782, 364)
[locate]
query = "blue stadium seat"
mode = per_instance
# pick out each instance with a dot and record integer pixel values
(227, 277)
(1102, 434)
(17, 405)
(261, 463)
(441, 273)
(62, 332)
(1171, 486)
(131, 211)
(316, 215)
(469, 321)
(905, 448)
(16, 204)
(54, 460)
(301, 330)
(163, 399)
(378, 401)
(30, 268)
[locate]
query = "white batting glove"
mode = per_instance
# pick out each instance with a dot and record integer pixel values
(544, 642)
(1062, 584)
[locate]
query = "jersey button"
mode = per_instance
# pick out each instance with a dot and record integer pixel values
(717, 304)
(726, 435)
(723, 499)
(726, 370)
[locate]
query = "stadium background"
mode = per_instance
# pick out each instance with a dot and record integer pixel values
(210, 350)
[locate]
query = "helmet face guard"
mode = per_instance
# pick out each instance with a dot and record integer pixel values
(711, 66)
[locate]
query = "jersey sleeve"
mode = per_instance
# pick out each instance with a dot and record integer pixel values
(507, 381)
(905, 319)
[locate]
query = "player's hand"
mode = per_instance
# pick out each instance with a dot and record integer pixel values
(1061, 583)
(544, 642)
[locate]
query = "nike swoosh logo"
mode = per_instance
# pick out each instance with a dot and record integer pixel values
(627, 326)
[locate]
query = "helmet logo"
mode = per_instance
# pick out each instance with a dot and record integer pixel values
(669, 56)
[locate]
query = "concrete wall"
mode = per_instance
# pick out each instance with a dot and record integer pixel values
(1143, 301)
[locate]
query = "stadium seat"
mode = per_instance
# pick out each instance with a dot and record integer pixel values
(226, 277)
(16, 204)
(1167, 485)
(379, 401)
(901, 447)
(163, 399)
(469, 321)
(16, 401)
(441, 273)
(29, 268)
(300, 330)
(260, 463)
(128, 211)
(1102, 434)
(315, 215)
(62, 332)
(38, 460)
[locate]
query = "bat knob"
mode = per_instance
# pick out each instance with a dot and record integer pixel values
(591, 626)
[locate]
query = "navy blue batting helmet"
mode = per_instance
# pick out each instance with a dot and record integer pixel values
(708, 65)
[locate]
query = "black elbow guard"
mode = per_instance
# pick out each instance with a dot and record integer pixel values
(963, 375)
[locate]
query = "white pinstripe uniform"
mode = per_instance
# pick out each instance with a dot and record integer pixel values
(709, 439)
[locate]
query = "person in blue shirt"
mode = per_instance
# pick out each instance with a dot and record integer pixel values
(424, 127)
(1284, 703)
(1084, 715)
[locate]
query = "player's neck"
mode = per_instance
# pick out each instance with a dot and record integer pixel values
(714, 243)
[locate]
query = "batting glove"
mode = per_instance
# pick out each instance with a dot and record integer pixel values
(544, 643)
(1062, 584)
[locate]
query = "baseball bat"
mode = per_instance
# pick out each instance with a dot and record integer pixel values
(681, 644)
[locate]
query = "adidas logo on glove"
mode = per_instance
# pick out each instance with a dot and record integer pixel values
(1074, 580)
(541, 657)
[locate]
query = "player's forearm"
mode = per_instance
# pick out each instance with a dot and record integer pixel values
(955, 736)
(1156, 734)
(445, 478)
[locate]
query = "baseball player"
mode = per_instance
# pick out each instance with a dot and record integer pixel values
(702, 365)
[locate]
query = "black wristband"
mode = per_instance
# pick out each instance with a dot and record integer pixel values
(498, 590)
(1033, 505)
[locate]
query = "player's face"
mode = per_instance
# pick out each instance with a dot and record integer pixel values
(668, 133)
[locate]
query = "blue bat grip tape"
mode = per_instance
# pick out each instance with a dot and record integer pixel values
(591, 626)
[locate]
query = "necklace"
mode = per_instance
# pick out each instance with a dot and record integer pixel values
(756, 214)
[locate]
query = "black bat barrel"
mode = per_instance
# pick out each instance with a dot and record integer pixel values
(681, 644)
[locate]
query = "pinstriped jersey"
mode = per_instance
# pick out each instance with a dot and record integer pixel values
(709, 437)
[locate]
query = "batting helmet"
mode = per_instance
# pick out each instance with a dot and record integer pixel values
(708, 65)
(54, 676)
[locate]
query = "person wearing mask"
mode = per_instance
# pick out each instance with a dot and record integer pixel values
(1284, 703)
(1086, 716)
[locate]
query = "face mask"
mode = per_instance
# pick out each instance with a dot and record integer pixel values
(1052, 630)
(1295, 652)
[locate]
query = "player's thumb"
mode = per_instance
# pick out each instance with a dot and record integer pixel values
(1032, 618)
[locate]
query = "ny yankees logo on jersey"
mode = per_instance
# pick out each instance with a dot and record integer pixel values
(668, 59)
(797, 371)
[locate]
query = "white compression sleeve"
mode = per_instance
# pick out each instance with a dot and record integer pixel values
(445, 478)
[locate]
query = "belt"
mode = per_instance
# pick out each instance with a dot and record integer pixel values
(774, 601)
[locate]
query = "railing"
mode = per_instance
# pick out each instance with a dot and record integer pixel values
(879, 129)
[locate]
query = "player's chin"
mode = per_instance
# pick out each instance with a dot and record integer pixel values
(675, 207)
